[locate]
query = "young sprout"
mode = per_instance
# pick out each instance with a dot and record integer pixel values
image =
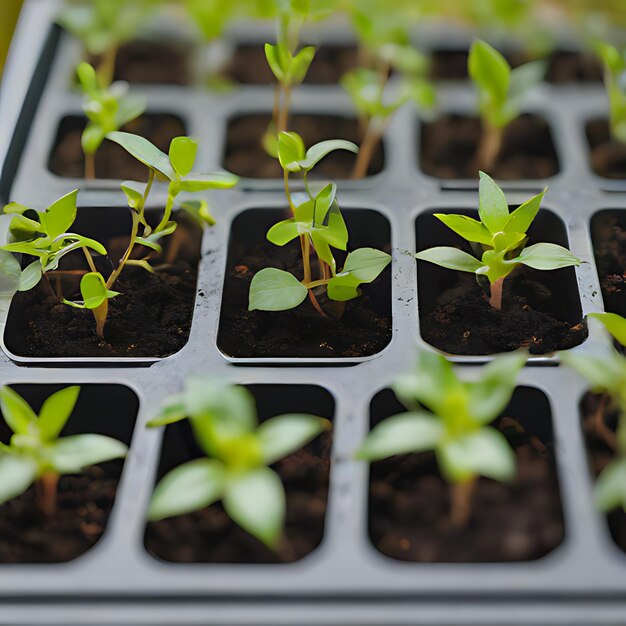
(238, 453)
(319, 225)
(384, 46)
(614, 61)
(500, 238)
(606, 373)
(500, 93)
(107, 109)
(103, 26)
(451, 417)
(36, 453)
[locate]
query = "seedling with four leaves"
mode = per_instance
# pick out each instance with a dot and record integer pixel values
(318, 223)
(500, 94)
(455, 425)
(499, 239)
(238, 453)
(38, 455)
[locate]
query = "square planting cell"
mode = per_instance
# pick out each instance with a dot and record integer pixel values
(112, 161)
(84, 501)
(209, 535)
(607, 156)
(151, 317)
(361, 329)
(245, 156)
(409, 501)
(541, 310)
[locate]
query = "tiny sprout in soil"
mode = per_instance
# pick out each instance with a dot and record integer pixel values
(238, 454)
(498, 240)
(455, 426)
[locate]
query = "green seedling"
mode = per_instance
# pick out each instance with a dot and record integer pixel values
(454, 424)
(499, 239)
(238, 455)
(614, 61)
(605, 371)
(103, 26)
(107, 110)
(384, 46)
(36, 452)
(500, 94)
(319, 225)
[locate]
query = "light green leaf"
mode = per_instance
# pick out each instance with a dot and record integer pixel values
(283, 232)
(145, 152)
(521, 219)
(610, 490)
(451, 258)
(60, 215)
(615, 324)
(203, 182)
(366, 264)
(30, 276)
(275, 61)
(199, 210)
(282, 435)
(343, 287)
(547, 256)
(290, 151)
(129, 108)
(174, 411)
(604, 370)
(416, 431)
(493, 208)
(526, 76)
(489, 70)
(318, 151)
(94, 291)
(134, 192)
(188, 488)
(56, 410)
(256, 501)
(275, 290)
(10, 272)
(71, 455)
(18, 474)
(17, 413)
(182, 154)
(469, 228)
(300, 64)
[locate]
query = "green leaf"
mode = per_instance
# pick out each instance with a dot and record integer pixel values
(212, 180)
(188, 488)
(129, 108)
(18, 474)
(94, 291)
(343, 287)
(615, 324)
(174, 411)
(493, 208)
(290, 151)
(92, 138)
(325, 200)
(547, 256)
(526, 76)
(282, 435)
(60, 215)
(469, 228)
(145, 152)
(256, 501)
(30, 276)
(199, 210)
(489, 70)
(283, 232)
(17, 413)
(416, 431)
(318, 151)
(300, 64)
(55, 412)
(70, 455)
(485, 452)
(87, 78)
(275, 61)
(610, 490)
(604, 370)
(10, 272)
(275, 290)
(521, 219)
(134, 192)
(366, 264)
(451, 258)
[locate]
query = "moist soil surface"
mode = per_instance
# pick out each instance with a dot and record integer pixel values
(609, 240)
(608, 157)
(449, 144)
(248, 65)
(209, 536)
(409, 509)
(363, 329)
(112, 161)
(83, 507)
(461, 320)
(246, 157)
(600, 455)
(151, 317)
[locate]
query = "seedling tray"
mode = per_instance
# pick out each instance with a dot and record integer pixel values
(344, 581)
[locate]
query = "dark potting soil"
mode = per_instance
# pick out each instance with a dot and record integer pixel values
(248, 65)
(609, 245)
(449, 144)
(112, 161)
(461, 321)
(363, 329)
(151, 317)
(608, 157)
(409, 509)
(246, 157)
(600, 455)
(209, 536)
(83, 507)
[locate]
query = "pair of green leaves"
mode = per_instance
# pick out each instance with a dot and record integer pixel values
(502, 236)
(238, 453)
(456, 427)
(289, 69)
(35, 447)
(614, 61)
(93, 291)
(107, 108)
(500, 88)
